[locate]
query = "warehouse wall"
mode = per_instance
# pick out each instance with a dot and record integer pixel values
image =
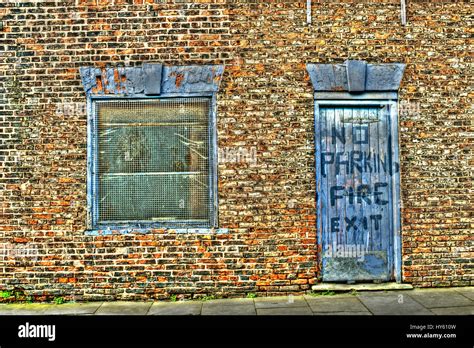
(265, 105)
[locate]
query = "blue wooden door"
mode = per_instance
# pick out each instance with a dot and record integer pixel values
(355, 189)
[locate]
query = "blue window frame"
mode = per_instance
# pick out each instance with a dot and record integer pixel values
(153, 162)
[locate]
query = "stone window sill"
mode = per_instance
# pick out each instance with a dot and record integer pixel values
(133, 230)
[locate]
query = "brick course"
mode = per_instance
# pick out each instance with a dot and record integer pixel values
(265, 101)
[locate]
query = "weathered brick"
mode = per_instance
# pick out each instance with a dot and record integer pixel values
(265, 102)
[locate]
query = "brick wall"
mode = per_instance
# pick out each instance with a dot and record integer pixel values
(265, 102)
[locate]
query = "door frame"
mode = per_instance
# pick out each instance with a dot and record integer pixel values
(368, 98)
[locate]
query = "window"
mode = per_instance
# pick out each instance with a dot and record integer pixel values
(151, 147)
(153, 162)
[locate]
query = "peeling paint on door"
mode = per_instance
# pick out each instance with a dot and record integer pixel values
(356, 189)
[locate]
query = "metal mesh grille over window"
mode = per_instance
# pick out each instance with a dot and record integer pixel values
(153, 160)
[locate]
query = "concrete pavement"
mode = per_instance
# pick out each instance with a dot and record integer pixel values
(446, 301)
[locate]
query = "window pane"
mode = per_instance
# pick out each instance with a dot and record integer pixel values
(153, 160)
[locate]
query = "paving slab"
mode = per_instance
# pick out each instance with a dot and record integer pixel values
(23, 309)
(124, 308)
(285, 311)
(220, 309)
(336, 304)
(444, 301)
(436, 298)
(466, 291)
(343, 313)
(72, 308)
(176, 308)
(467, 310)
(280, 302)
(231, 301)
(392, 303)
